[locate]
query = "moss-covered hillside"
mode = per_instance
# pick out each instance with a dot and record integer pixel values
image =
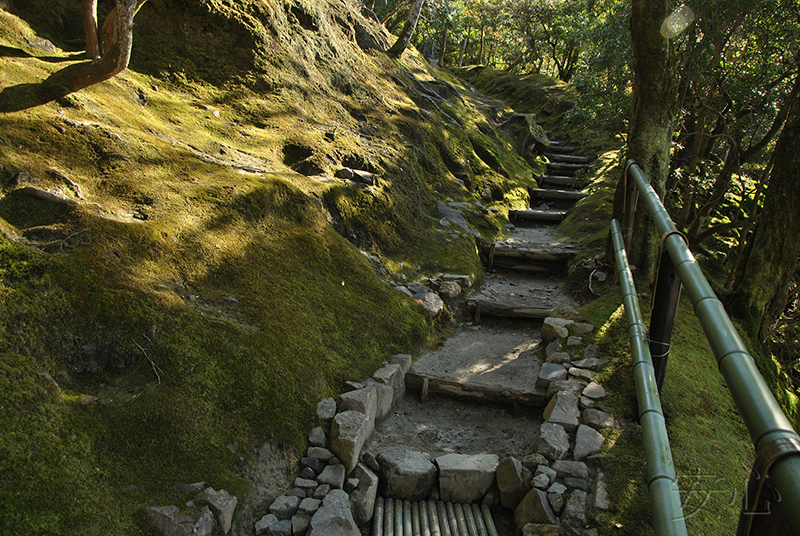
(202, 278)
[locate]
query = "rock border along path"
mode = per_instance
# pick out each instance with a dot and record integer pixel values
(545, 473)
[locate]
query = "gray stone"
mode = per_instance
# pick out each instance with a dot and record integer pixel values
(305, 484)
(454, 216)
(570, 468)
(315, 464)
(553, 347)
(392, 375)
(532, 529)
(221, 503)
(464, 280)
(170, 521)
(601, 501)
(550, 372)
(559, 358)
(300, 524)
(584, 402)
(570, 386)
(350, 484)
(556, 501)
(450, 289)
(431, 303)
(406, 474)
(364, 401)
(574, 341)
(513, 482)
(281, 528)
(566, 311)
(191, 489)
(322, 454)
(362, 499)
(404, 360)
(308, 473)
(532, 461)
(263, 524)
(333, 475)
(326, 409)
(385, 397)
(285, 506)
(581, 328)
(334, 518)
(557, 488)
(582, 374)
(418, 288)
(316, 437)
(466, 478)
(555, 328)
(591, 351)
(598, 419)
(344, 173)
(553, 441)
(309, 506)
(541, 481)
(547, 471)
(578, 483)
(297, 492)
(348, 435)
(594, 391)
(590, 363)
(587, 441)
(563, 410)
(574, 513)
(364, 176)
(321, 491)
(534, 508)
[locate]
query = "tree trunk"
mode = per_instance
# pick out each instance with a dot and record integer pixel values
(650, 135)
(442, 47)
(90, 27)
(483, 43)
(760, 288)
(464, 45)
(115, 60)
(408, 30)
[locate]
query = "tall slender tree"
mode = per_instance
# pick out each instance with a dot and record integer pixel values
(408, 30)
(652, 123)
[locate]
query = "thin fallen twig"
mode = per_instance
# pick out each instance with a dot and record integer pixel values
(156, 368)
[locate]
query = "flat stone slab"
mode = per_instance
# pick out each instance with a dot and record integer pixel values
(553, 441)
(406, 474)
(582, 374)
(571, 468)
(590, 363)
(466, 478)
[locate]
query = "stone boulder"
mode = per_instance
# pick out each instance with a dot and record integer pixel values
(333, 475)
(541, 530)
(513, 481)
(563, 410)
(404, 360)
(334, 518)
(550, 372)
(285, 506)
(594, 391)
(362, 499)
(534, 508)
(263, 524)
(466, 478)
(170, 521)
(598, 419)
(587, 441)
(221, 503)
(431, 303)
(574, 514)
(385, 397)
(393, 376)
(553, 441)
(450, 290)
(348, 435)
(406, 474)
(571, 468)
(326, 410)
(555, 328)
(362, 400)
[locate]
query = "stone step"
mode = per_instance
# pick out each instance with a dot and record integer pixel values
(566, 168)
(556, 180)
(545, 194)
(568, 158)
(426, 384)
(537, 215)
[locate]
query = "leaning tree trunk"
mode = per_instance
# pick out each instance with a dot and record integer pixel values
(90, 26)
(760, 288)
(408, 30)
(114, 60)
(650, 134)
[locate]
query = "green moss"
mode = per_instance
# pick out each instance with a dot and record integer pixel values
(710, 445)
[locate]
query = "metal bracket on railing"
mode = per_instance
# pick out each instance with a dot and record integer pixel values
(759, 515)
